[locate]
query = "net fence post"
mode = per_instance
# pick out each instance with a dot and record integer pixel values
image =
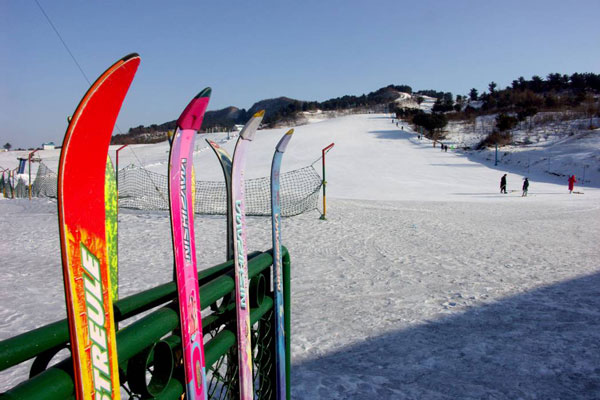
(29, 164)
(324, 151)
(117, 168)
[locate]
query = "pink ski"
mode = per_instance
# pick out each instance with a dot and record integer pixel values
(241, 256)
(184, 248)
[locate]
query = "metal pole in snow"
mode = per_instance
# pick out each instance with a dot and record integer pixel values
(13, 184)
(324, 151)
(3, 170)
(496, 160)
(29, 162)
(117, 169)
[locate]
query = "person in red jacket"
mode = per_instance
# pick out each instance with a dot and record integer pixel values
(572, 182)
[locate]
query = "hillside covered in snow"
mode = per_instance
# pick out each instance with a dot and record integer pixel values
(424, 282)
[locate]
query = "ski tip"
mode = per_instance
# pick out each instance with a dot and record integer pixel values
(192, 116)
(129, 57)
(283, 143)
(206, 92)
(212, 144)
(250, 128)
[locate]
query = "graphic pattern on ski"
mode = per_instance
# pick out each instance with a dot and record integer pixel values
(241, 256)
(112, 246)
(277, 266)
(225, 161)
(82, 225)
(184, 247)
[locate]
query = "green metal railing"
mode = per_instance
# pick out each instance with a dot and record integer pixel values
(149, 349)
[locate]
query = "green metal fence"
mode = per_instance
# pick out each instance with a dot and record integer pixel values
(150, 359)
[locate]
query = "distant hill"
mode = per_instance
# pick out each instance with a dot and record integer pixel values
(227, 117)
(278, 110)
(272, 106)
(578, 92)
(221, 120)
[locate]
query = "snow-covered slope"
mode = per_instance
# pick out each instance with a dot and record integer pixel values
(546, 147)
(424, 282)
(374, 159)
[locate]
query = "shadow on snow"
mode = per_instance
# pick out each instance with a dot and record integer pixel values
(395, 133)
(540, 344)
(534, 158)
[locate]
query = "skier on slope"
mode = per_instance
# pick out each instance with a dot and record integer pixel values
(572, 182)
(503, 184)
(525, 187)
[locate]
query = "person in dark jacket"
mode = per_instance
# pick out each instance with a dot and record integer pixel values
(525, 187)
(503, 184)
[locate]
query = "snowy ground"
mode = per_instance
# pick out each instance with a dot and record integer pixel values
(424, 282)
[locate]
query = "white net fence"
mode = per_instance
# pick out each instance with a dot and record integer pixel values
(12, 186)
(45, 182)
(146, 190)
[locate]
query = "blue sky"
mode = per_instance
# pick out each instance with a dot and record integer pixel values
(249, 51)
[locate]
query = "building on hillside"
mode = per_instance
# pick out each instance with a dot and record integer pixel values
(48, 146)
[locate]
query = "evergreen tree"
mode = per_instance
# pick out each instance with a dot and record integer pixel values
(473, 94)
(536, 84)
(505, 122)
(430, 122)
(555, 81)
(577, 81)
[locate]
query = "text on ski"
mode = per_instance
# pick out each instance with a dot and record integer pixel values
(96, 323)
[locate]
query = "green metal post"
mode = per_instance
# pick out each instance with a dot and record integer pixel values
(288, 320)
(139, 338)
(213, 282)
